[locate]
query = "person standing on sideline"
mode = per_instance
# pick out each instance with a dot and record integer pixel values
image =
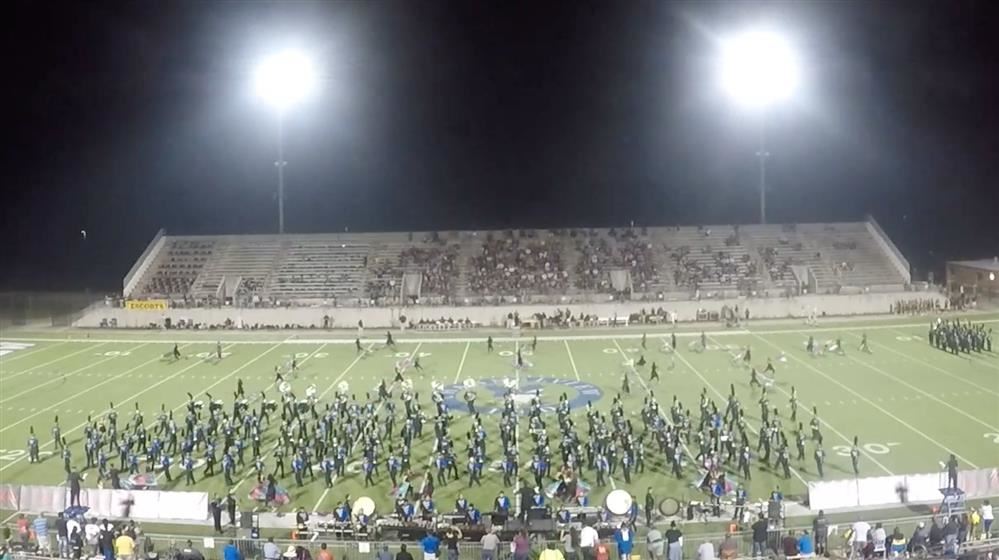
(706, 551)
(383, 554)
(271, 550)
(324, 553)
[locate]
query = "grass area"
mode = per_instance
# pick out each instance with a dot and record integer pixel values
(909, 404)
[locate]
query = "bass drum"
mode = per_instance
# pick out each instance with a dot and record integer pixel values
(669, 507)
(618, 502)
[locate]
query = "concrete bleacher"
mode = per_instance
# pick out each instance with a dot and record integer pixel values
(675, 262)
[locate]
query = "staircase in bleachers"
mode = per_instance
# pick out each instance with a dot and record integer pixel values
(177, 267)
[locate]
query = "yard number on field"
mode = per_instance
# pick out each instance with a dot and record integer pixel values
(114, 353)
(993, 436)
(872, 448)
(8, 347)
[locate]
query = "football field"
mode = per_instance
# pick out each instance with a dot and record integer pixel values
(909, 404)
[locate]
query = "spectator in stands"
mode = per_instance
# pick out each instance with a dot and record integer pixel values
(324, 553)
(190, 553)
(550, 552)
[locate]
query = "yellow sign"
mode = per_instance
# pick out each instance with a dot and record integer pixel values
(147, 305)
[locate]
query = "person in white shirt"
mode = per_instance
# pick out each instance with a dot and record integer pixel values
(706, 551)
(90, 533)
(859, 538)
(879, 537)
(987, 518)
(588, 540)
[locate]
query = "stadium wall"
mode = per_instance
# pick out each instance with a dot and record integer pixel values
(389, 317)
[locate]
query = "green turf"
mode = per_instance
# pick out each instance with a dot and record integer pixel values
(910, 405)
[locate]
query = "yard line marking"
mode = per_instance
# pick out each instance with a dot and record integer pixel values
(77, 427)
(842, 436)
(9, 376)
(328, 389)
(76, 395)
(939, 369)
(572, 361)
(18, 355)
(872, 403)
(68, 374)
(918, 390)
(668, 420)
(461, 364)
(602, 336)
(374, 416)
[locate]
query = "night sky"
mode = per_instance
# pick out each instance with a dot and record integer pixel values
(124, 118)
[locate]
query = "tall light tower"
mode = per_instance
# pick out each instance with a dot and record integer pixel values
(284, 80)
(759, 70)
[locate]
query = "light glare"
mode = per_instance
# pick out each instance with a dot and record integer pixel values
(285, 79)
(759, 69)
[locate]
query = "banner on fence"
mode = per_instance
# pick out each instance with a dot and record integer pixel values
(898, 489)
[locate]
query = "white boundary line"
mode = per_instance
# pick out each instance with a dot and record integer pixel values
(374, 418)
(842, 436)
(249, 470)
(936, 368)
(227, 376)
(793, 470)
(572, 361)
(918, 390)
(62, 377)
(606, 336)
(82, 424)
(870, 402)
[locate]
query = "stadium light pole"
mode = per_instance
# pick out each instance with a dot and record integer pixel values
(759, 70)
(284, 80)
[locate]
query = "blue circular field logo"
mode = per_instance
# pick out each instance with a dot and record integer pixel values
(489, 394)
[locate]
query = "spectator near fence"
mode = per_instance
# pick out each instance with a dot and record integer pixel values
(674, 542)
(760, 537)
(403, 554)
(41, 528)
(656, 544)
(490, 542)
(588, 540)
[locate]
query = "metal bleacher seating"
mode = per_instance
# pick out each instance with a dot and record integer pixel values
(370, 268)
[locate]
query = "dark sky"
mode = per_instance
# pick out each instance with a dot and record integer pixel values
(124, 118)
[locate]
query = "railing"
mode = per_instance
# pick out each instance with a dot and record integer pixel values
(140, 267)
(168, 547)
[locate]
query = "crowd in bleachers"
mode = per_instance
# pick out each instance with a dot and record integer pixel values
(779, 269)
(384, 279)
(513, 264)
(183, 262)
(595, 256)
(439, 266)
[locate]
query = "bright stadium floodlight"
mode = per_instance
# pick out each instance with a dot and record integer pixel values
(283, 80)
(759, 69)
